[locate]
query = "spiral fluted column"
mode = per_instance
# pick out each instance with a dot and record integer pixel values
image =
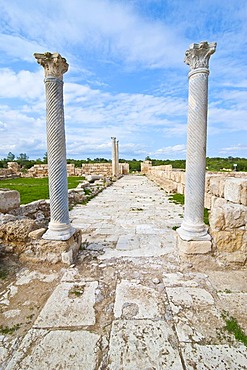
(117, 158)
(114, 157)
(54, 67)
(193, 227)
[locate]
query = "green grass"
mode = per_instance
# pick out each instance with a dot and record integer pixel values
(3, 273)
(179, 199)
(206, 216)
(31, 189)
(87, 191)
(232, 326)
(7, 330)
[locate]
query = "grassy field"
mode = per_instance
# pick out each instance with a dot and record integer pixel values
(34, 189)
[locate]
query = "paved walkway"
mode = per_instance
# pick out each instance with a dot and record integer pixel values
(130, 303)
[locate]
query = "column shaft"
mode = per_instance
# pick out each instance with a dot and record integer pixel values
(59, 226)
(117, 158)
(57, 165)
(193, 227)
(113, 156)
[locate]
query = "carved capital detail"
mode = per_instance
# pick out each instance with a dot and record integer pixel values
(54, 64)
(197, 56)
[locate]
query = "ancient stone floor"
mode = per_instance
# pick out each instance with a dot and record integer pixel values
(130, 302)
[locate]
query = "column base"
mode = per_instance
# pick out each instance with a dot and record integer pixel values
(193, 246)
(193, 232)
(58, 231)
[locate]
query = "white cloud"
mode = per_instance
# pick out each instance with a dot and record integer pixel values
(18, 47)
(113, 29)
(234, 148)
(23, 85)
(171, 150)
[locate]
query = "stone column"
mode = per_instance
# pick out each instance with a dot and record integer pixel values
(114, 156)
(193, 227)
(117, 158)
(54, 67)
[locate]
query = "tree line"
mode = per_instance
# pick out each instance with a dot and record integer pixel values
(212, 164)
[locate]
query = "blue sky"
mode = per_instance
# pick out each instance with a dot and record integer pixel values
(126, 75)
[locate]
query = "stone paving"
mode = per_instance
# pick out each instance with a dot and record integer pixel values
(131, 303)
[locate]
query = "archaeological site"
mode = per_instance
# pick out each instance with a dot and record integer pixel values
(116, 273)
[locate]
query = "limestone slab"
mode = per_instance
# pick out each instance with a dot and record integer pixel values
(60, 349)
(179, 279)
(235, 281)
(71, 304)
(220, 357)
(143, 344)
(195, 315)
(136, 301)
(128, 242)
(148, 229)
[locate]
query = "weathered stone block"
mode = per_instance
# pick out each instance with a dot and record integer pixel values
(207, 200)
(173, 176)
(52, 251)
(193, 246)
(238, 257)
(180, 188)
(168, 167)
(14, 166)
(177, 177)
(36, 234)
(227, 216)
(229, 241)
(9, 199)
(183, 178)
(207, 182)
(17, 232)
(5, 218)
(216, 185)
(236, 190)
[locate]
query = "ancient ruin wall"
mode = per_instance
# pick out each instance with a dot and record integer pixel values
(225, 197)
(11, 172)
(41, 170)
(104, 169)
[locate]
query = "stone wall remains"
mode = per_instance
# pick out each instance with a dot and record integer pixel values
(11, 172)
(104, 169)
(225, 197)
(124, 168)
(41, 170)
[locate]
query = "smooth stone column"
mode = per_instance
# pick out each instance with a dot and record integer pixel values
(193, 227)
(114, 173)
(117, 158)
(54, 67)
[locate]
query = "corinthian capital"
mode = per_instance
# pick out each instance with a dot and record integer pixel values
(54, 64)
(197, 56)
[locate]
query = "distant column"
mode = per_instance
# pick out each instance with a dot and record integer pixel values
(113, 156)
(117, 158)
(197, 57)
(54, 67)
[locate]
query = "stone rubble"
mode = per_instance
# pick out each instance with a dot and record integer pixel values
(131, 302)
